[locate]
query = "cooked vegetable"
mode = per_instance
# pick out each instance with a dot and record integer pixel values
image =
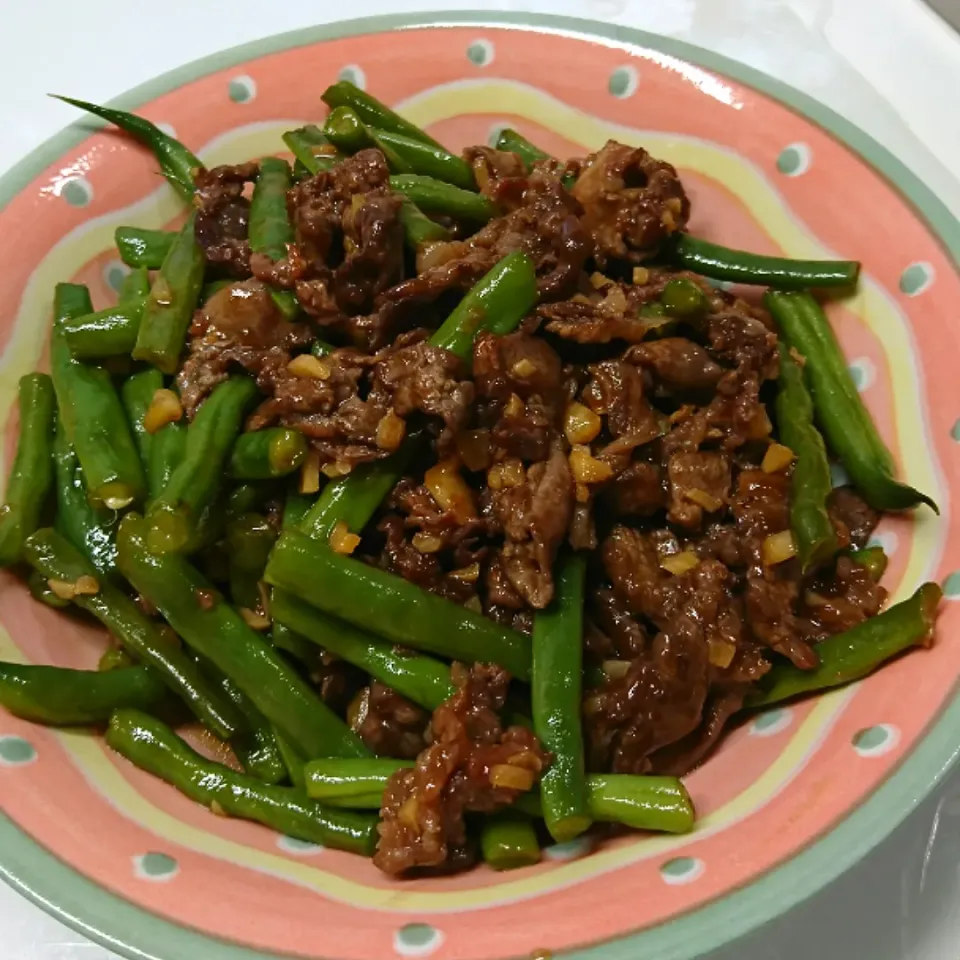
(443, 199)
(555, 690)
(93, 416)
(31, 476)
(56, 696)
(270, 230)
(844, 419)
(508, 840)
(137, 394)
(514, 142)
(154, 747)
(217, 632)
(173, 298)
(311, 148)
(873, 558)
(106, 333)
(63, 565)
(143, 248)
(856, 652)
(810, 485)
(267, 454)
(403, 612)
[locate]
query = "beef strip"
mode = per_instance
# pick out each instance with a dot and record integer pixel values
(389, 724)
(422, 819)
(632, 202)
(223, 213)
(852, 517)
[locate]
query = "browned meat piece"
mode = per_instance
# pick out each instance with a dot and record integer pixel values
(472, 765)
(389, 724)
(222, 216)
(535, 515)
(844, 598)
(583, 530)
(638, 491)
(628, 636)
(239, 326)
(699, 482)
(632, 202)
(742, 336)
(852, 517)
(545, 226)
(501, 175)
(418, 376)
(677, 364)
(500, 591)
(373, 241)
(760, 508)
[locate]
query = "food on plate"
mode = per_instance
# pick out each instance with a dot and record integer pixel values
(459, 494)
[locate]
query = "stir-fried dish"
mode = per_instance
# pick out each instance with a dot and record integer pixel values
(460, 495)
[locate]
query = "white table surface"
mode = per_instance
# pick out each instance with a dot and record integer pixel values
(890, 66)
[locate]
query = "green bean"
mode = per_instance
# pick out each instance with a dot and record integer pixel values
(90, 529)
(810, 484)
(173, 298)
(137, 394)
(55, 558)
(135, 286)
(167, 448)
(856, 652)
(556, 688)
(177, 163)
(216, 631)
(873, 559)
(195, 483)
(250, 537)
(292, 760)
(497, 303)
(31, 476)
(270, 230)
(418, 228)
(320, 348)
(143, 248)
(418, 678)
(58, 697)
(844, 419)
(434, 197)
(94, 420)
(154, 747)
(267, 454)
(513, 142)
(311, 147)
(737, 266)
(255, 746)
(295, 507)
(372, 111)
(115, 658)
(509, 841)
(105, 333)
(403, 613)
(425, 159)
(329, 780)
(644, 803)
(345, 130)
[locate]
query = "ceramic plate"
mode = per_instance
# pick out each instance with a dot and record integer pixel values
(795, 796)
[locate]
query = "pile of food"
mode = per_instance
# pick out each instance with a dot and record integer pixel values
(457, 488)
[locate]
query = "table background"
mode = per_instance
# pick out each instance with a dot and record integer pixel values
(890, 66)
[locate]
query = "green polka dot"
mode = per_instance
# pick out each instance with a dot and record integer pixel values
(115, 273)
(417, 940)
(77, 192)
(623, 82)
(681, 870)
(916, 279)
(571, 850)
(767, 720)
(16, 752)
(955, 432)
(242, 89)
(951, 585)
(353, 74)
(794, 159)
(480, 53)
(156, 866)
(871, 738)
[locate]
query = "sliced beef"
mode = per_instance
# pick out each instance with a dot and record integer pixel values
(677, 364)
(852, 517)
(632, 202)
(238, 327)
(638, 491)
(699, 483)
(389, 724)
(472, 765)
(534, 516)
(500, 174)
(223, 214)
